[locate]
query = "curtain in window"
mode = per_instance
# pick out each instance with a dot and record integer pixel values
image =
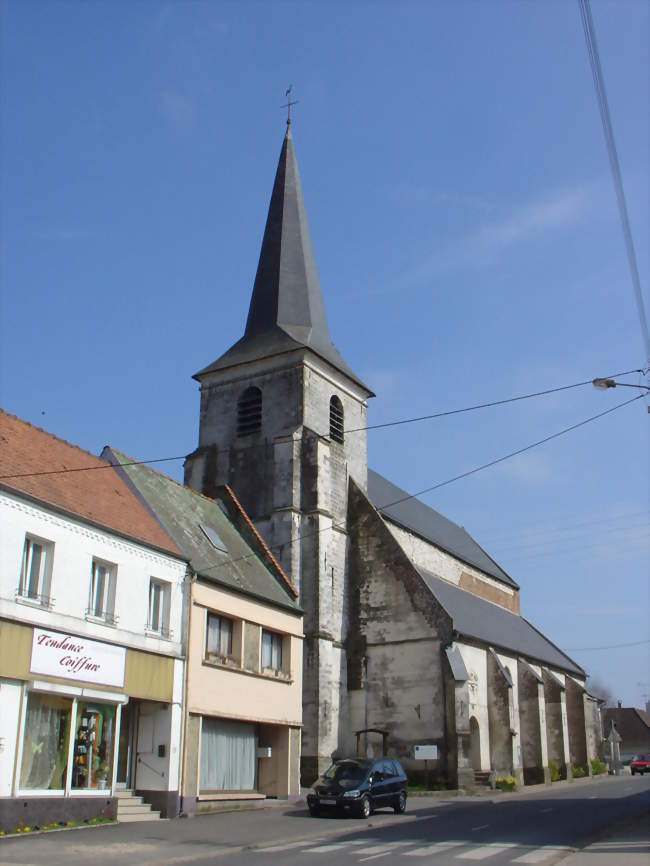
(227, 756)
(219, 635)
(271, 650)
(45, 744)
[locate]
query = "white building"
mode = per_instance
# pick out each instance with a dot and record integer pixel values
(91, 659)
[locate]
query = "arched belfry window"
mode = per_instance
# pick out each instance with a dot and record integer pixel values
(249, 412)
(336, 419)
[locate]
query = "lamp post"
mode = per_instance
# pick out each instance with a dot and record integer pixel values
(603, 384)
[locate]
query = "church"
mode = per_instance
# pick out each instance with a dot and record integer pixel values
(413, 635)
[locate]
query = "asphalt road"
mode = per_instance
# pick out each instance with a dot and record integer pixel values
(539, 826)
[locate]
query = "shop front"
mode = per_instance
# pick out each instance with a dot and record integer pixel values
(71, 708)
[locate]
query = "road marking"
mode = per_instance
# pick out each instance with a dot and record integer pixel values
(377, 849)
(375, 856)
(482, 853)
(482, 827)
(594, 797)
(538, 855)
(324, 849)
(435, 848)
(287, 846)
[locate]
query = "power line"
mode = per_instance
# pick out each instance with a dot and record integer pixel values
(441, 483)
(584, 649)
(444, 414)
(599, 84)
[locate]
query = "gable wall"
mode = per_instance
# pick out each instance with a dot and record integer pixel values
(426, 555)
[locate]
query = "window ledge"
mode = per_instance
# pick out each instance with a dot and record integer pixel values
(266, 674)
(34, 602)
(111, 622)
(161, 635)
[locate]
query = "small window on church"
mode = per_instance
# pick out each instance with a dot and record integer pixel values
(336, 419)
(249, 412)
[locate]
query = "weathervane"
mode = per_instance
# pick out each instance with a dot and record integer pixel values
(289, 103)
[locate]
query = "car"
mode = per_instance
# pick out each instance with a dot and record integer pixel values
(359, 786)
(640, 764)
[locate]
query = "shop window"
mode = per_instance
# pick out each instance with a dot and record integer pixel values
(159, 603)
(249, 412)
(36, 571)
(228, 759)
(336, 419)
(271, 650)
(45, 743)
(92, 766)
(101, 603)
(219, 637)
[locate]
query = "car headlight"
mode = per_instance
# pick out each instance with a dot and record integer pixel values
(355, 793)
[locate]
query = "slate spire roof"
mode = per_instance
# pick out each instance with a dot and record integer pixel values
(286, 310)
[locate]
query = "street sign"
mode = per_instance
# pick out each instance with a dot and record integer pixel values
(425, 753)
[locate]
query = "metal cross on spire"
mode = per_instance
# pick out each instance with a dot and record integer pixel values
(289, 103)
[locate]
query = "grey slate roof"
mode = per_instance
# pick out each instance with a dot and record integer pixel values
(190, 518)
(431, 525)
(473, 617)
(286, 310)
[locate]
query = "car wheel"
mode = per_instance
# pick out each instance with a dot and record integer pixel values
(633, 772)
(366, 808)
(314, 811)
(400, 803)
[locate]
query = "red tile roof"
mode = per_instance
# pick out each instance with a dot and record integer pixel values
(31, 462)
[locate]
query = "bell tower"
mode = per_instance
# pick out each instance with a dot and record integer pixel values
(283, 423)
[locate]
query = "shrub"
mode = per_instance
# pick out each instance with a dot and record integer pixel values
(597, 767)
(578, 772)
(554, 770)
(506, 783)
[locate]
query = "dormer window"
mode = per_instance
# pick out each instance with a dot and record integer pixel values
(249, 412)
(336, 419)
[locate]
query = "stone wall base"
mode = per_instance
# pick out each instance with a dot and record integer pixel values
(37, 811)
(165, 802)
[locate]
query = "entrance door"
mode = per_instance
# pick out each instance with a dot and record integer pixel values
(126, 751)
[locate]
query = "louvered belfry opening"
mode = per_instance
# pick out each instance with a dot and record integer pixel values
(249, 412)
(336, 419)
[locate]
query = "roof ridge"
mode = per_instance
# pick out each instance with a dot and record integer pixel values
(263, 543)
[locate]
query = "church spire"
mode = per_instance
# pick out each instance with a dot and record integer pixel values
(286, 309)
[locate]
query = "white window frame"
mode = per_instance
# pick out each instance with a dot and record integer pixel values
(221, 619)
(276, 648)
(102, 590)
(158, 614)
(44, 579)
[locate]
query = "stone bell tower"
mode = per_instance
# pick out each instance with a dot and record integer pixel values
(280, 419)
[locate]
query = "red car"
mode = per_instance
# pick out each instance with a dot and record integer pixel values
(640, 764)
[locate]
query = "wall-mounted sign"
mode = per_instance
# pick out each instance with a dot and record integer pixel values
(76, 658)
(425, 753)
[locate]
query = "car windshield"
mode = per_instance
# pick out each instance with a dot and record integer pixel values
(346, 770)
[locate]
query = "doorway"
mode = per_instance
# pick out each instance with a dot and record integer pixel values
(126, 747)
(475, 744)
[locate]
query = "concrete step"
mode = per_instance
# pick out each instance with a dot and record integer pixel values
(140, 816)
(127, 808)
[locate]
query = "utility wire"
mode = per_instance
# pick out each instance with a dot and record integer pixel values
(599, 83)
(585, 649)
(440, 484)
(543, 393)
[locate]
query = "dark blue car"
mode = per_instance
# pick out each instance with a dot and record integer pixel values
(359, 786)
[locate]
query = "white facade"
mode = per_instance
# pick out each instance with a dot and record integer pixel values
(118, 605)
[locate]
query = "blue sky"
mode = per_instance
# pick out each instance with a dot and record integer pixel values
(465, 230)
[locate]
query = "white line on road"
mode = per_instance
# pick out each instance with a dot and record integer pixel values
(286, 847)
(483, 853)
(435, 848)
(538, 855)
(324, 849)
(375, 856)
(482, 827)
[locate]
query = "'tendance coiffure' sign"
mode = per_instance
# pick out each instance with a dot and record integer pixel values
(77, 658)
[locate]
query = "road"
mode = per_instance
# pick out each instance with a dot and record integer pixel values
(539, 826)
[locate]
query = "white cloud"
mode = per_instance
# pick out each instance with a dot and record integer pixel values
(482, 244)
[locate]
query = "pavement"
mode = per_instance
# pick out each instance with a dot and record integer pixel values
(602, 821)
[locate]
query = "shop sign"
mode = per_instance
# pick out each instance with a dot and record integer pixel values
(76, 658)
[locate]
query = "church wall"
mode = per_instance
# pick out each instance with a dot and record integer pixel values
(426, 555)
(395, 671)
(532, 725)
(511, 664)
(476, 664)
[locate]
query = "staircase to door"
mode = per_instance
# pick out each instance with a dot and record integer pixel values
(133, 808)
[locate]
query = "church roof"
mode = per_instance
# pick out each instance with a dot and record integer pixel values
(286, 310)
(201, 528)
(473, 617)
(415, 516)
